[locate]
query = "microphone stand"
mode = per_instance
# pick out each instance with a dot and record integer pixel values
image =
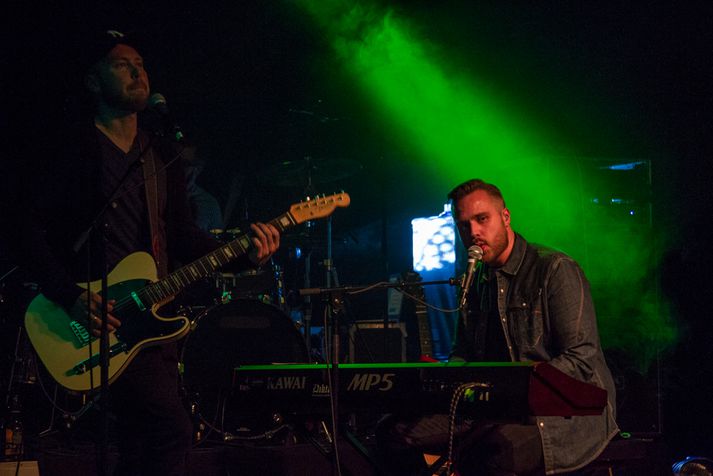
(104, 357)
(310, 192)
(102, 465)
(353, 289)
(335, 309)
(335, 306)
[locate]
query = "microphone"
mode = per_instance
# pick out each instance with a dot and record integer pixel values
(157, 102)
(475, 254)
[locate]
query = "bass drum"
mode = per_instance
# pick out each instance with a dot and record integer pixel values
(241, 332)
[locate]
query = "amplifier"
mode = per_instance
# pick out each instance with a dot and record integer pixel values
(370, 341)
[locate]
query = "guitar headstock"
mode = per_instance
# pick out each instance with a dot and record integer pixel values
(319, 207)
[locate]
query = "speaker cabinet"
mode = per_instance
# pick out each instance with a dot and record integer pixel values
(372, 342)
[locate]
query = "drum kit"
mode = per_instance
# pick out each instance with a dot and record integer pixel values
(253, 317)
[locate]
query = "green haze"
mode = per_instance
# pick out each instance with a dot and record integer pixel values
(455, 125)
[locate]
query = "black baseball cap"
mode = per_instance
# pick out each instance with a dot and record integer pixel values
(102, 42)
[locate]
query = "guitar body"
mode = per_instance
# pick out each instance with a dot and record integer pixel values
(63, 343)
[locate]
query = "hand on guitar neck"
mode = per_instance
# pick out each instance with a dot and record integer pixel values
(266, 241)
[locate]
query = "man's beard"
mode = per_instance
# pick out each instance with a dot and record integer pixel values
(135, 100)
(497, 246)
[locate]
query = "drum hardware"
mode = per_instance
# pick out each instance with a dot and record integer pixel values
(305, 173)
(248, 325)
(330, 273)
(4, 276)
(223, 336)
(264, 284)
(199, 426)
(226, 236)
(264, 435)
(217, 233)
(279, 298)
(331, 278)
(194, 313)
(12, 425)
(24, 367)
(26, 379)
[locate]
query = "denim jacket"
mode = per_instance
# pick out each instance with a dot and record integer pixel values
(547, 314)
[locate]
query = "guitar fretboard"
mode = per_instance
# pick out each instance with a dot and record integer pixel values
(178, 280)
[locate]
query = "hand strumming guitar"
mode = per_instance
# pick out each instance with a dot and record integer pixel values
(87, 307)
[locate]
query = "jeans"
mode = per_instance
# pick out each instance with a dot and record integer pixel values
(153, 427)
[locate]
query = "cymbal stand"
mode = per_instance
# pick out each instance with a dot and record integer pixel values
(20, 372)
(334, 312)
(335, 305)
(330, 279)
(307, 316)
(329, 268)
(328, 263)
(309, 192)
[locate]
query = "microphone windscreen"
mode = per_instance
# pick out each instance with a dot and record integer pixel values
(475, 252)
(157, 99)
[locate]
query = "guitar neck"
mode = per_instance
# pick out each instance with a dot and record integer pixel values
(205, 266)
(168, 287)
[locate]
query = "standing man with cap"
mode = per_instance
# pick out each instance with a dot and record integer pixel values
(96, 181)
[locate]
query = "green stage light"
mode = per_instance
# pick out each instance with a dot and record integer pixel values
(455, 125)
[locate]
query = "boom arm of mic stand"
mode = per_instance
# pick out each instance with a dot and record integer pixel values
(380, 285)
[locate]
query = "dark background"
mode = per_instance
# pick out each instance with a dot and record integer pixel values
(233, 71)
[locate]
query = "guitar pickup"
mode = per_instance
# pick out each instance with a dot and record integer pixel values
(80, 332)
(88, 364)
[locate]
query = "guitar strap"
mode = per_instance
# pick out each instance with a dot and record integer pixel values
(152, 180)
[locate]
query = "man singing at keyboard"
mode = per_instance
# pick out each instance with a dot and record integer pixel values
(525, 302)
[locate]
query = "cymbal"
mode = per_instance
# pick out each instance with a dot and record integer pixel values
(309, 171)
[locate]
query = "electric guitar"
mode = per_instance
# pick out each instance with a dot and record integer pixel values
(63, 341)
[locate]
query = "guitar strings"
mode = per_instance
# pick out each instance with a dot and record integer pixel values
(125, 301)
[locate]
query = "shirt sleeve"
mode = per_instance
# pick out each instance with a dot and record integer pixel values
(186, 241)
(574, 339)
(29, 247)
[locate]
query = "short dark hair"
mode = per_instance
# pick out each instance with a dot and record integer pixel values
(471, 186)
